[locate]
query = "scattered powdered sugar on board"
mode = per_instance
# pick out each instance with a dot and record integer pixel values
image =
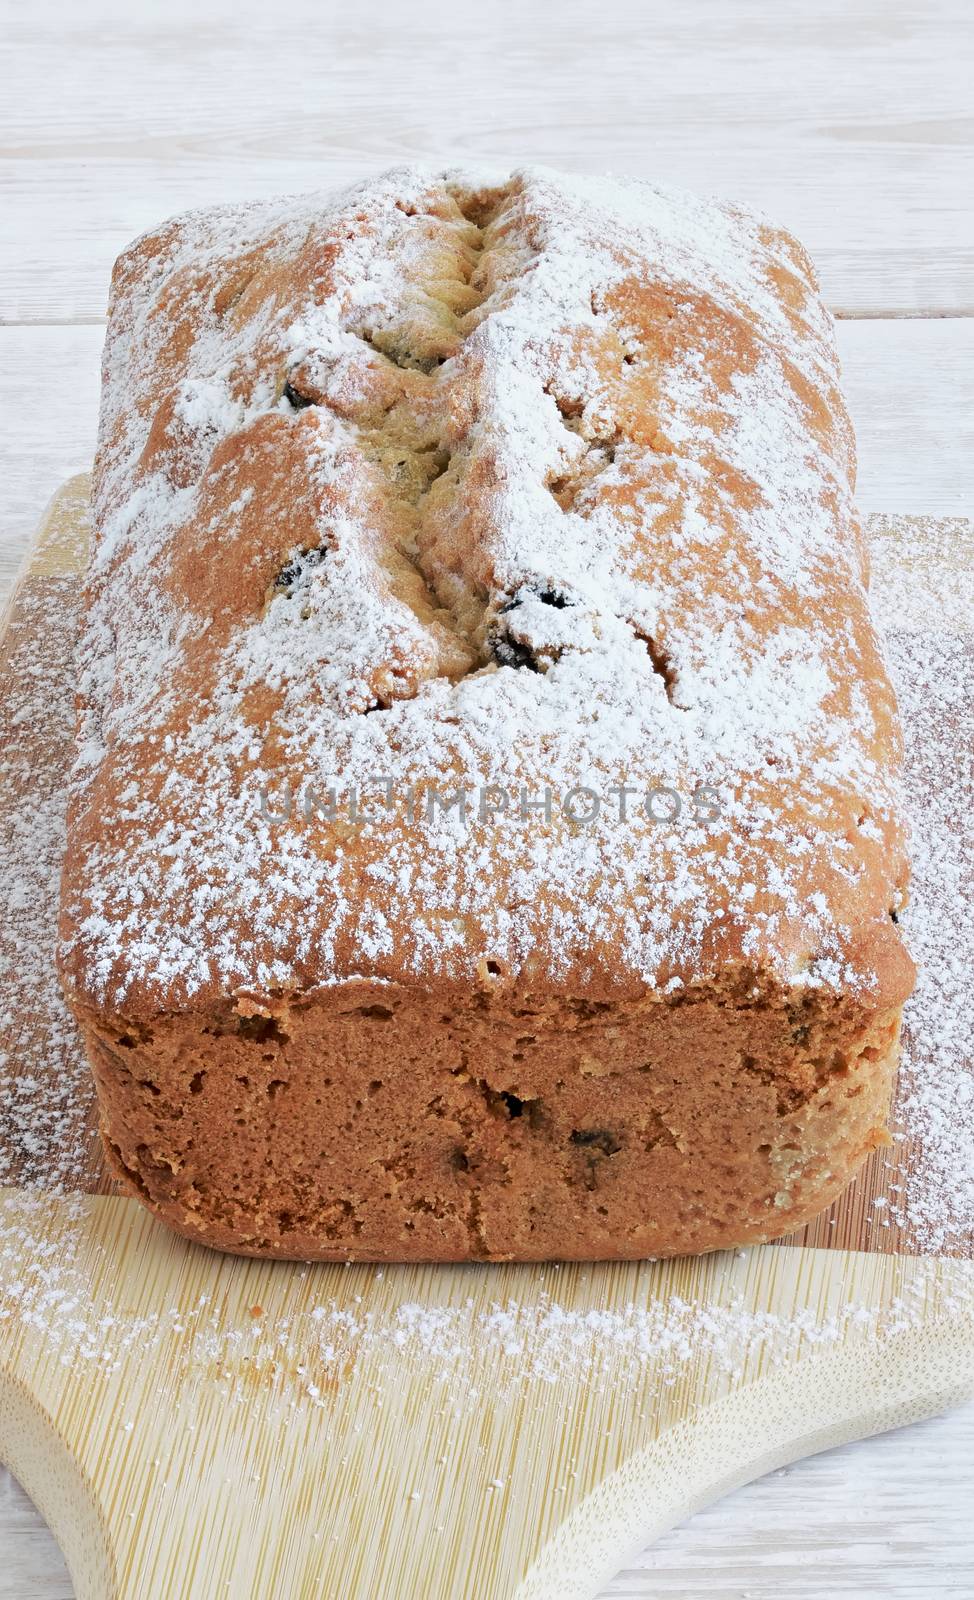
(462, 1348)
(923, 599)
(46, 1091)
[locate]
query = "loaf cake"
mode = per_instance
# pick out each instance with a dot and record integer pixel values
(484, 837)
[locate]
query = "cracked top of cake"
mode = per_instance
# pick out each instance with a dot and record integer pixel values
(506, 493)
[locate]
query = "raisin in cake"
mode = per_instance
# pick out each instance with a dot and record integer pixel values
(483, 839)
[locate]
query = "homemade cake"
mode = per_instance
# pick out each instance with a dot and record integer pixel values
(484, 836)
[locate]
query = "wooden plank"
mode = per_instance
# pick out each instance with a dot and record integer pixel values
(49, 387)
(67, 218)
(868, 1528)
(910, 388)
(854, 129)
(32, 1566)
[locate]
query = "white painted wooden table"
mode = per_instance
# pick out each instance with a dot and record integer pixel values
(849, 120)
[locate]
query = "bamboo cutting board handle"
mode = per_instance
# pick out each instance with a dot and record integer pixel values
(214, 1426)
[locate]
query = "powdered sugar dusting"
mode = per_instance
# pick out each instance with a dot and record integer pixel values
(923, 589)
(46, 1092)
(533, 486)
(459, 1345)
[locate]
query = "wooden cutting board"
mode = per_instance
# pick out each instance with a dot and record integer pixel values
(194, 1425)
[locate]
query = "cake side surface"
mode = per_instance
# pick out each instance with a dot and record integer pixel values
(478, 613)
(380, 1125)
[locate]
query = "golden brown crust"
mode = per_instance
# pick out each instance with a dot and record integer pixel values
(456, 488)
